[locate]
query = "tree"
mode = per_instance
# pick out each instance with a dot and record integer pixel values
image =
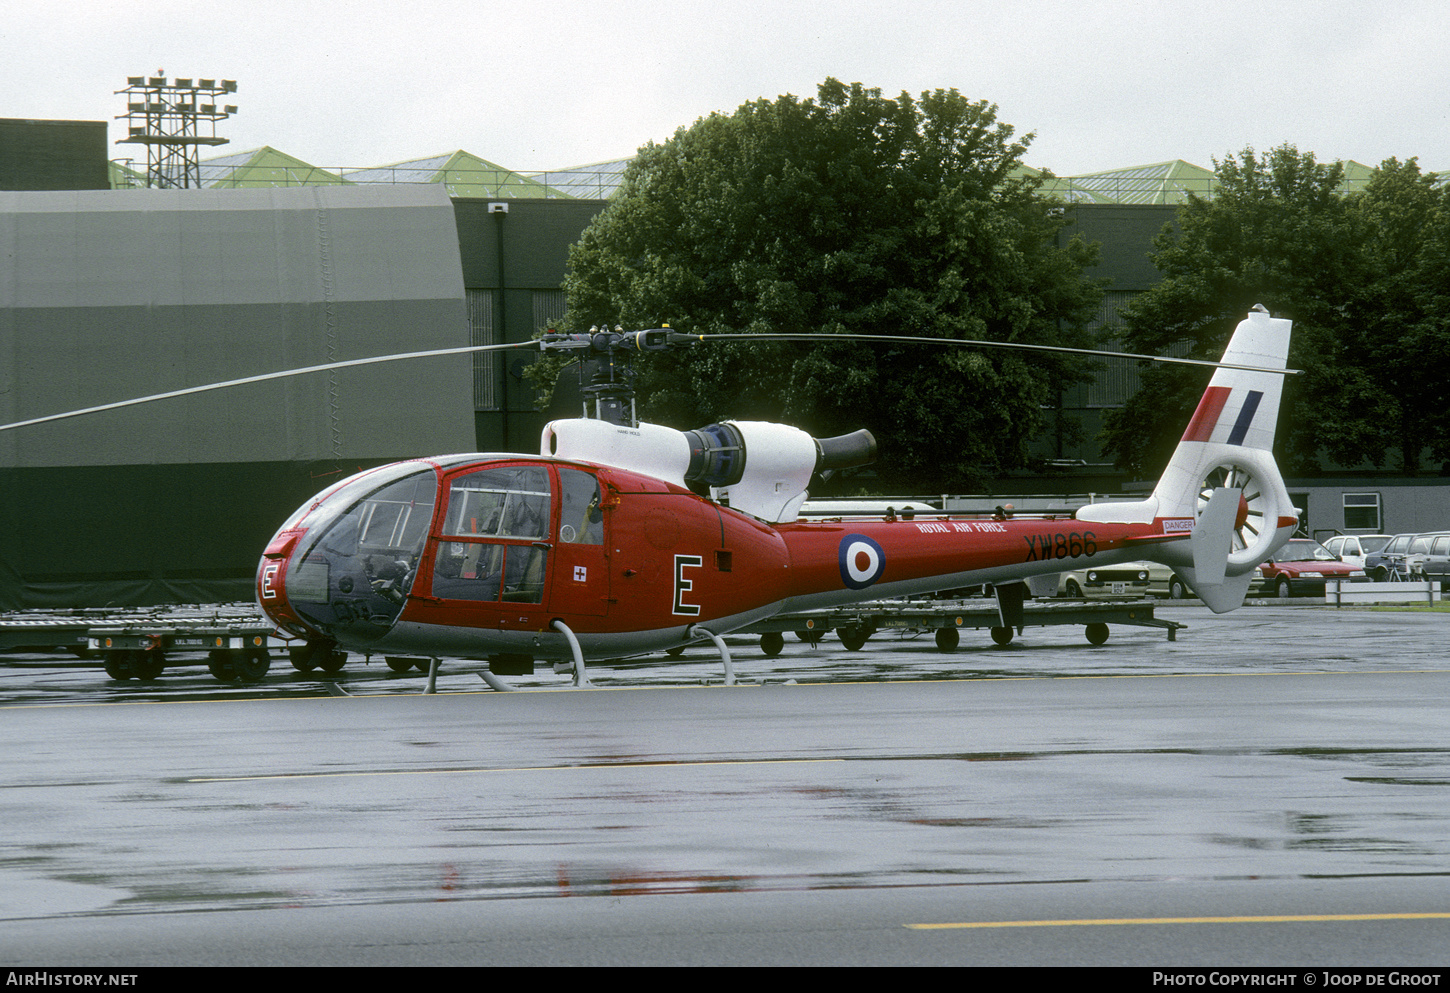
(1275, 231)
(1393, 355)
(849, 213)
(1358, 274)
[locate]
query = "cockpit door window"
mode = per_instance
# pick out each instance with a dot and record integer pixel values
(581, 565)
(581, 521)
(495, 545)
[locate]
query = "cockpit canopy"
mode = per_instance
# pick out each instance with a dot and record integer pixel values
(367, 547)
(356, 563)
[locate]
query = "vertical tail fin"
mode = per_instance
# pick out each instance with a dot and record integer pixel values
(1226, 456)
(1222, 484)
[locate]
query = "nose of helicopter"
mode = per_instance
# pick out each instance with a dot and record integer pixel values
(271, 593)
(341, 567)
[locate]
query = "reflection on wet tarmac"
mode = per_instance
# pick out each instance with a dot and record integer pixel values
(1254, 640)
(279, 795)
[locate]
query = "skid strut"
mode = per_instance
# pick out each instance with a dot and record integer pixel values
(696, 631)
(581, 677)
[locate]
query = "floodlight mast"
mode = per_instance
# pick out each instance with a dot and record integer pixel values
(166, 117)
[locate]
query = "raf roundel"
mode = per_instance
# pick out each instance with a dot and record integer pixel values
(861, 561)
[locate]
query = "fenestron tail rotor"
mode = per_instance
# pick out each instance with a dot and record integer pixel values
(1252, 519)
(1261, 508)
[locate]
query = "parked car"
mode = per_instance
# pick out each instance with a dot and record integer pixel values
(1163, 581)
(1389, 561)
(1127, 580)
(1302, 566)
(1429, 555)
(1353, 548)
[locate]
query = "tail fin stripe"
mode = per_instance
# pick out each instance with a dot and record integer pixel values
(1245, 418)
(1206, 416)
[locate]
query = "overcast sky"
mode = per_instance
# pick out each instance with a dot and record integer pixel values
(546, 85)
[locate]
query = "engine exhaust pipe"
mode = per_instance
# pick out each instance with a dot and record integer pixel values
(845, 451)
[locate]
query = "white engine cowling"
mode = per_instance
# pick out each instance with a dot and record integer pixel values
(756, 467)
(775, 466)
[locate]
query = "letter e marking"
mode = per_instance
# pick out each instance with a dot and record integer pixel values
(683, 585)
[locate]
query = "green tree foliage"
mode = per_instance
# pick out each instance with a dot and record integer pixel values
(1390, 390)
(849, 213)
(1357, 273)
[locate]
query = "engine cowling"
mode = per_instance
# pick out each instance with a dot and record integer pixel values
(756, 467)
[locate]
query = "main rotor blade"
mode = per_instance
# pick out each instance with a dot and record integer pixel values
(911, 340)
(284, 374)
(536, 345)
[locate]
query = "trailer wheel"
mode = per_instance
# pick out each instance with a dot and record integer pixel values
(399, 663)
(146, 666)
(219, 664)
(771, 642)
(852, 638)
(947, 639)
(1002, 636)
(250, 664)
(322, 655)
(1097, 633)
(302, 657)
(118, 665)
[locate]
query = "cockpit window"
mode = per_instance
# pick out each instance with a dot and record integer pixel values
(581, 522)
(355, 572)
(509, 502)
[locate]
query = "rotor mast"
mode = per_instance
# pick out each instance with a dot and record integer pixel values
(606, 366)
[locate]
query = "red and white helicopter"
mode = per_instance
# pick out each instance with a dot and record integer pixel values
(622, 538)
(599, 548)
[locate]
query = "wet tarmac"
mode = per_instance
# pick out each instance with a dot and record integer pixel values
(1269, 768)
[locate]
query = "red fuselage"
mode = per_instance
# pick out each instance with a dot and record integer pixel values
(478, 555)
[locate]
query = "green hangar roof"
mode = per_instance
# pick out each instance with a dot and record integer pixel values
(467, 175)
(463, 173)
(264, 167)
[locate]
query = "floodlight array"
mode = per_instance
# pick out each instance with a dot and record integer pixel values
(167, 117)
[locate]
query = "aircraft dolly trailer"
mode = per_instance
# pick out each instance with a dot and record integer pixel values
(856, 623)
(141, 642)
